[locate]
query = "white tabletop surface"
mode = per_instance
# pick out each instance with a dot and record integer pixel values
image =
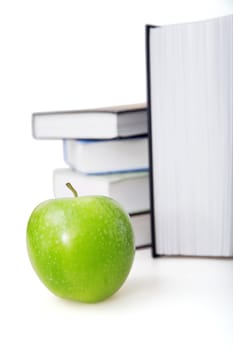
(166, 303)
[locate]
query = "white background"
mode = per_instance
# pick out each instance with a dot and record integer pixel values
(58, 55)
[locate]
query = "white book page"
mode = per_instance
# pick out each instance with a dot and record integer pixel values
(191, 124)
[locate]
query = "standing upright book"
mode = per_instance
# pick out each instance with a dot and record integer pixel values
(190, 101)
(100, 123)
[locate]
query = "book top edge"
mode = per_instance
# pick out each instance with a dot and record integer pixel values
(112, 177)
(116, 139)
(207, 20)
(113, 109)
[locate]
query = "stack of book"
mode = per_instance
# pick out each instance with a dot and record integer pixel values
(106, 153)
(189, 136)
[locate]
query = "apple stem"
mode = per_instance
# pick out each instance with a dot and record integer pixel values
(73, 190)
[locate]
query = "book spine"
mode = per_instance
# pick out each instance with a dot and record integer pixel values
(153, 231)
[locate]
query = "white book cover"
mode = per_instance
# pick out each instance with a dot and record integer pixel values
(99, 123)
(131, 190)
(190, 93)
(142, 229)
(107, 156)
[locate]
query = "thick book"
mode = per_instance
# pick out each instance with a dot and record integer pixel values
(107, 156)
(131, 190)
(190, 97)
(100, 123)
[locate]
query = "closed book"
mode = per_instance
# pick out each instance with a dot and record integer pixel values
(190, 96)
(100, 123)
(107, 156)
(131, 190)
(141, 223)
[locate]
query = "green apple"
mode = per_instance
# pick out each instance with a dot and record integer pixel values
(82, 248)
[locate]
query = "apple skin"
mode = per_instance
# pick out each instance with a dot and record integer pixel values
(81, 248)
